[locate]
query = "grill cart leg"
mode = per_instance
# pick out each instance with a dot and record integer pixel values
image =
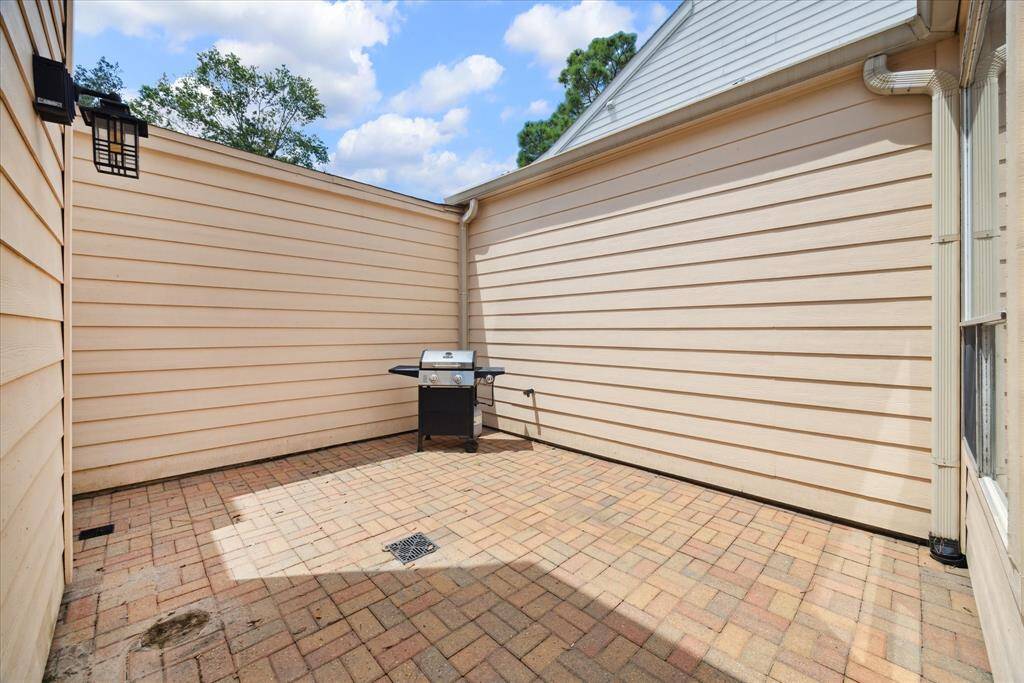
(419, 441)
(471, 446)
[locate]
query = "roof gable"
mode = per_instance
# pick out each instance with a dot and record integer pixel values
(707, 46)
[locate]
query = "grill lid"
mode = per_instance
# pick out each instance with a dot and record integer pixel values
(462, 359)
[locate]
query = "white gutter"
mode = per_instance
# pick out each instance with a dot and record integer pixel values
(943, 88)
(464, 273)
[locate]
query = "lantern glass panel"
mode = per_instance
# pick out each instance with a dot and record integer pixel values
(115, 145)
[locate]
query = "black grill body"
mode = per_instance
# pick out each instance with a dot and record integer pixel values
(448, 403)
(447, 412)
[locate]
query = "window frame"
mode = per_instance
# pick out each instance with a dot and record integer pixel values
(983, 312)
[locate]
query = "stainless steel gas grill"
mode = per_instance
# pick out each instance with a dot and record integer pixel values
(448, 394)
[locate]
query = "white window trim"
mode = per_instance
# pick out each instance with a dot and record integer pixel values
(997, 505)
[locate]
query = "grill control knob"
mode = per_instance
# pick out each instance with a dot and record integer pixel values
(433, 379)
(457, 379)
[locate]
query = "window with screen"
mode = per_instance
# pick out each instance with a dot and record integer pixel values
(984, 265)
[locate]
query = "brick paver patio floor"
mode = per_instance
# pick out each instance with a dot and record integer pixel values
(552, 565)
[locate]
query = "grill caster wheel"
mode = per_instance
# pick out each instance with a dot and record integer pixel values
(471, 446)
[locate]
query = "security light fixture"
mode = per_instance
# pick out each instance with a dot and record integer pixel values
(115, 135)
(115, 132)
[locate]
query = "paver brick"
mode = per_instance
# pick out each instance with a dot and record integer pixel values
(365, 625)
(527, 639)
(545, 653)
(495, 627)
(407, 673)
(552, 566)
(400, 653)
(484, 673)
(596, 639)
(288, 664)
(469, 657)
(361, 665)
(509, 666)
(616, 654)
(435, 666)
(430, 626)
(584, 667)
(459, 639)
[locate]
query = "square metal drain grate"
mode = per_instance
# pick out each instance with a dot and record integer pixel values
(411, 548)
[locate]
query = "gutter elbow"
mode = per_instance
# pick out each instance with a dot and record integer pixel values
(877, 77)
(994, 64)
(469, 214)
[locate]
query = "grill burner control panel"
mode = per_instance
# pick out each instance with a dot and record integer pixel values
(453, 411)
(446, 378)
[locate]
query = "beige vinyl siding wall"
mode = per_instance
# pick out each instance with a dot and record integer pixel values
(32, 191)
(229, 308)
(744, 302)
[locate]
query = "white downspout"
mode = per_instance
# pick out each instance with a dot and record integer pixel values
(464, 273)
(943, 88)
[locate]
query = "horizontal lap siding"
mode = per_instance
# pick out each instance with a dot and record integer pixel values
(745, 303)
(31, 346)
(229, 309)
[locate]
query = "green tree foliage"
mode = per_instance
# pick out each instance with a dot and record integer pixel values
(104, 76)
(237, 105)
(586, 74)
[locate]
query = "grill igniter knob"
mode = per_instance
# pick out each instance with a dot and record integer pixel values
(433, 379)
(489, 379)
(457, 379)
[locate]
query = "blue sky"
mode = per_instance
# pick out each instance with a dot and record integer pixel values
(422, 97)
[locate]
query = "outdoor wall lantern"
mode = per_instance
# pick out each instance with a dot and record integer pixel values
(115, 132)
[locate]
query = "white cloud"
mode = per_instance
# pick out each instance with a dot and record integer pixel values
(657, 13)
(394, 139)
(373, 176)
(443, 173)
(534, 110)
(324, 41)
(539, 108)
(550, 33)
(407, 153)
(442, 86)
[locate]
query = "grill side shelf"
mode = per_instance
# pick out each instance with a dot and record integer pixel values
(407, 370)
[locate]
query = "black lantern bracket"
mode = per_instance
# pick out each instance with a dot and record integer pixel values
(115, 131)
